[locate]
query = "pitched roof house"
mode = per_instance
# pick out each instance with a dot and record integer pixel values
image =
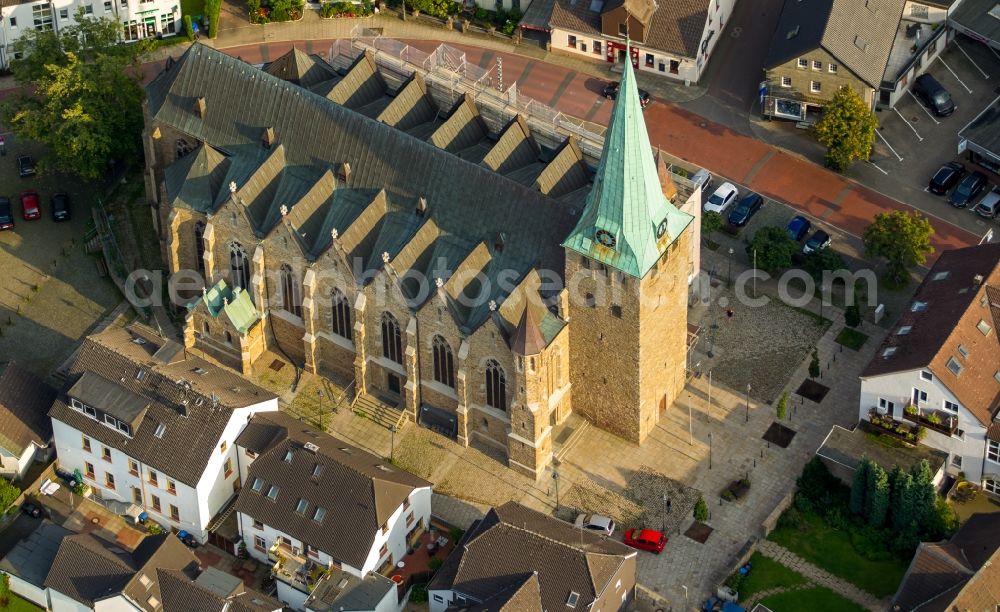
(149, 424)
(312, 500)
(25, 429)
(516, 558)
(27, 563)
(940, 366)
(209, 590)
(959, 574)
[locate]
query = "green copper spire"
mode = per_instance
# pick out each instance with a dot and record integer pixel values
(627, 223)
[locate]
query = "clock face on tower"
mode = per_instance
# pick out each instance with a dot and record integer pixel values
(606, 238)
(661, 229)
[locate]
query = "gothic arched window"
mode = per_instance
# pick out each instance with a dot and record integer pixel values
(496, 385)
(392, 343)
(341, 314)
(239, 265)
(289, 291)
(444, 362)
(199, 245)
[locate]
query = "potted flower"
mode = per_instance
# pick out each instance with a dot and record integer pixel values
(911, 410)
(934, 419)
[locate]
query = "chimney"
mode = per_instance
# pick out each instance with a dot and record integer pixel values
(499, 242)
(268, 139)
(199, 108)
(977, 280)
(345, 172)
(421, 207)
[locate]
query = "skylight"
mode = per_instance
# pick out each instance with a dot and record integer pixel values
(257, 485)
(572, 599)
(318, 514)
(941, 275)
(301, 506)
(272, 493)
(288, 456)
(954, 366)
(889, 352)
(317, 470)
(160, 429)
(984, 327)
(902, 331)
(964, 352)
(918, 307)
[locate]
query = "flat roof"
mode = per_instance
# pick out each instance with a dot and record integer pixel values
(31, 558)
(984, 130)
(975, 15)
(847, 447)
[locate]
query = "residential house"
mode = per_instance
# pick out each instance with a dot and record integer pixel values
(148, 423)
(27, 563)
(962, 573)
(519, 559)
(25, 429)
(339, 590)
(89, 573)
(209, 590)
(939, 367)
(820, 46)
(139, 19)
(670, 39)
(314, 504)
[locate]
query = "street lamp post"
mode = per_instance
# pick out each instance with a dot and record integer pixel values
(748, 402)
(710, 394)
(664, 525)
(555, 479)
(322, 425)
(709, 450)
(729, 275)
(392, 444)
(690, 422)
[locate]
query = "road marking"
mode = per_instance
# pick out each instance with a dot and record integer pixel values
(922, 107)
(877, 168)
(896, 110)
(960, 81)
(971, 61)
(888, 145)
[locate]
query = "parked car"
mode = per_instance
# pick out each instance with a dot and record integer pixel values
(746, 209)
(6, 214)
(596, 522)
(934, 95)
(967, 190)
(646, 539)
(989, 206)
(946, 177)
(30, 209)
(719, 201)
(32, 509)
(798, 227)
(817, 242)
(25, 166)
(610, 92)
(60, 207)
(188, 539)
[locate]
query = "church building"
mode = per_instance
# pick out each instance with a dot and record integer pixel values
(457, 270)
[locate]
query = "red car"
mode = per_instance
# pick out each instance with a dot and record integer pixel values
(30, 207)
(646, 539)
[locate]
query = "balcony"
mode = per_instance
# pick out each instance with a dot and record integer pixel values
(294, 568)
(942, 422)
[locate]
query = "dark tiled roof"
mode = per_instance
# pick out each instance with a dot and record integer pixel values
(935, 569)
(301, 68)
(313, 134)
(524, 594)
(512, 542)
(973, 14)
(24, 407)
(984, 130)
(859, 33)
(339, 590)
(528, 338)
(187, 442)
(955, 304)
(180, 593)
(87, 568)
(356, 489)
(675, 27)
(978, 538)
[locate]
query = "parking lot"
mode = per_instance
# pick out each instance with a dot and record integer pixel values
(912, 143)
(50, 290)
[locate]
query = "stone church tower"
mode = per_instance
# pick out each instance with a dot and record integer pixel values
(626, 275)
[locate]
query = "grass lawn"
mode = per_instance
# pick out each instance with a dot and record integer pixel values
(819, 599)
(851, 338)
(767, 573)
(17, 604)
(831, 550)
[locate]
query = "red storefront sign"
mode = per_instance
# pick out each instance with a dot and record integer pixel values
(612, 53)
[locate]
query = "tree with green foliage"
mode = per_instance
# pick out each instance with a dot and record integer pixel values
(711, 222)
(852, 314)
(212, 10)
(859, 485)
(84, 101)
(774, 249)
(8, 493)
(903, 239)
(877, 496)
(824, 260)
(188, 27)
(846, 129)
(924, 494)
(900, 499)
(700, 509)
(814, 369)
(782, 409)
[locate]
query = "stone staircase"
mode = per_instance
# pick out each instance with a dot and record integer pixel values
(378, 410)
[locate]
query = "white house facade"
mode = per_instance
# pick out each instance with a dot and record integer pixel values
(133, 444)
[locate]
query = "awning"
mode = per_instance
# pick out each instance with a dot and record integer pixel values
(438, 420)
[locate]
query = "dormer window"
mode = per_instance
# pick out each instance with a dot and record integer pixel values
(301, 506)
(288, 456)
(889, 352)
(318, 514)
(918, 307)
(572, 600)
(317, 470)
(902, 331)
(954, 366)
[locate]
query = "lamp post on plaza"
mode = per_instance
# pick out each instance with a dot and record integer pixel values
(729, 275)
(748, 402)
(392, 444)
(555, 479)
(322, 425)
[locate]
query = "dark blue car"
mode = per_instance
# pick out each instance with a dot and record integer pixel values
(798, 227)
(747, 208)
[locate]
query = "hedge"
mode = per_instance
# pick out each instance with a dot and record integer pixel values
(212, 9)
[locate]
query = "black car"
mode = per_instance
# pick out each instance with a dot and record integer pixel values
(60, 207)
(6, 214)
(946, 177)
(610, 92)
(936, 97)
(25, 166)
(967, 190)
(746, 209)
(32, 509)
(817, 242)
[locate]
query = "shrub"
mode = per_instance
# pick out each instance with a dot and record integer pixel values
(8, 493)
(212, 8)
(435, 563)
(188, 28)
(783, 407)
(793, 519)
(700, 509)
(852, 316)
(418, 594)
(814, 365)
(456, 534)
(911, 410)
(735, 581)
(154, 528)
(4, 591)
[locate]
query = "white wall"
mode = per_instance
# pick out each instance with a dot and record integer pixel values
(290, 596)
(14, 467)
(62, 603)
(118, 603)
(898, 388)
(442, 605)
(420, 507)
(34, 594)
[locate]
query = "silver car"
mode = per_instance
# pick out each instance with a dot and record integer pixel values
(596, 522)
(989, 206)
